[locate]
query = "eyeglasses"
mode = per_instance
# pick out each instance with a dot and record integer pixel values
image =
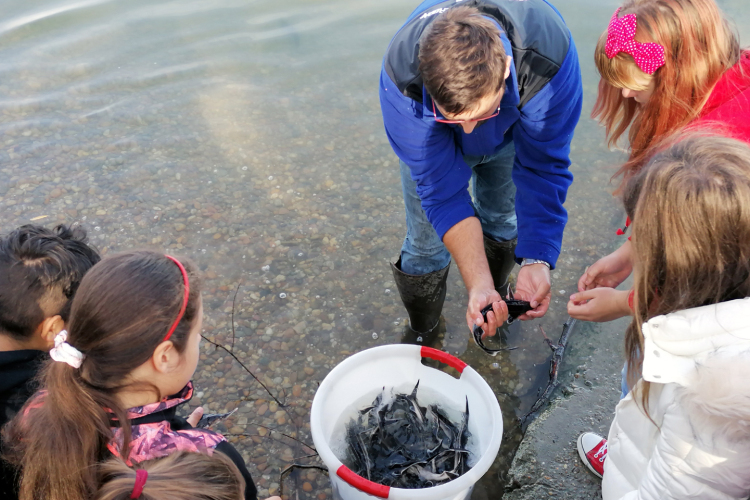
(458, 122)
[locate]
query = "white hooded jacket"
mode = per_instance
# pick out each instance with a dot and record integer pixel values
(698, 445)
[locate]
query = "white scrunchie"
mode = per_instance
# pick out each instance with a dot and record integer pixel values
(64, 352)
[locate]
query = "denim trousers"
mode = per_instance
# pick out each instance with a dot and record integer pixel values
(494, 199)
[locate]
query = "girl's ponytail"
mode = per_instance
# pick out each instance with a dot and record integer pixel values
(179, 476)
(61, 433)
(122, 311)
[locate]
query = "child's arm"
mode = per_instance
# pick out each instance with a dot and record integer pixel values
(600, 304)
(609, 271)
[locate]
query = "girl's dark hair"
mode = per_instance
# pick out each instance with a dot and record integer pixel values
(123, 309)
(691, 233)
(40, 270)
(179, 476)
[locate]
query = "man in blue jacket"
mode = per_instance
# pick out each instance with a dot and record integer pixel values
(487, 91)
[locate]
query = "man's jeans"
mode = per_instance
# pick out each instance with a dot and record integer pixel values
(494, 197)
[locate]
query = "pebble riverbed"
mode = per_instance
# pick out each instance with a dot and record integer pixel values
(248, 138)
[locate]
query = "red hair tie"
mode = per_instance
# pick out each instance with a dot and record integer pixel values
(141, 475)
(621, 231)
(621, 38)
(184, 301)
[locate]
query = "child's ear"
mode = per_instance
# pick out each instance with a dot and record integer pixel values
(50, 328)
(165, 357)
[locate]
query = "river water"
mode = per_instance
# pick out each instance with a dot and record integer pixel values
(246, 134)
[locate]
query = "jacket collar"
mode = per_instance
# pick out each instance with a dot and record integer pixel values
(18, 367)
(676, 343)
(733, 82)
(165, 404)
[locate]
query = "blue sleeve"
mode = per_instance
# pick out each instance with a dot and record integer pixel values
(541, 172)
(430, 151)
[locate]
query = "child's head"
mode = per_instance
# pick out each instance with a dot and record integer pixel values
(40, 270)
(136, 321)
(121, 321)
(698, 46)
(179, 476)
(691, 229)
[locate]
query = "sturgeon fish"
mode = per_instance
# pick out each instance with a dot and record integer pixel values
(400, 443)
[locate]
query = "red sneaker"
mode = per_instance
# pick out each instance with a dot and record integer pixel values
(592, 448)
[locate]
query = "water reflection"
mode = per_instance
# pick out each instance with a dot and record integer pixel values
(247, 135)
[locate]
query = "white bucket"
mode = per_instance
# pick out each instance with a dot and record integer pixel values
(399, 366)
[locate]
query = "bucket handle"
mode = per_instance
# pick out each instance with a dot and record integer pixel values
(443, 357)
(362, 484)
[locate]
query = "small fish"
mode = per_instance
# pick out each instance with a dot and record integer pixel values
(397, 442)
(515, 309)
(210, 419)
(415, 406)
(431, 476)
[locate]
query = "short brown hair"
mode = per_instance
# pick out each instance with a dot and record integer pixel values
(461, 59)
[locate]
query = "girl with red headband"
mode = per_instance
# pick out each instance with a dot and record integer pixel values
(128, 357)
(666, 66)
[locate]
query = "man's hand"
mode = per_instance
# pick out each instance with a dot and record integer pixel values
(608, 271)
(466, 244)
(495, 318)
(599, 305)
(534, 285)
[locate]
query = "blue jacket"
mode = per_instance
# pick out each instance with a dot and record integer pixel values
(539, 116)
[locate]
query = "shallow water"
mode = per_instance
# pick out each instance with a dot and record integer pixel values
(247, 135)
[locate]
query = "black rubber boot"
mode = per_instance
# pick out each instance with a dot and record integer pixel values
(501, 258)
(422, 295)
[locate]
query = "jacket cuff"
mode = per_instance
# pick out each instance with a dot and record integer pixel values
(541, 250)
(446, 221)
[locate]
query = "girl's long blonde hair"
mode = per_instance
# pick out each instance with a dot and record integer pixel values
(179, 476)
(699, 47)
(691, 233)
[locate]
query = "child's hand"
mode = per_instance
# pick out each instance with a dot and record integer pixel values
(608, 271)
(195, 417)
(273, 498)
(599, 305)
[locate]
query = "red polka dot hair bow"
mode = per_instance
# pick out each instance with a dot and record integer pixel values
(621, 38)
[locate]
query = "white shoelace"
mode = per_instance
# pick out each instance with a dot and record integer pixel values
(602, 451)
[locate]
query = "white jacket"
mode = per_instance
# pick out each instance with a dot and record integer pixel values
(698, 445)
